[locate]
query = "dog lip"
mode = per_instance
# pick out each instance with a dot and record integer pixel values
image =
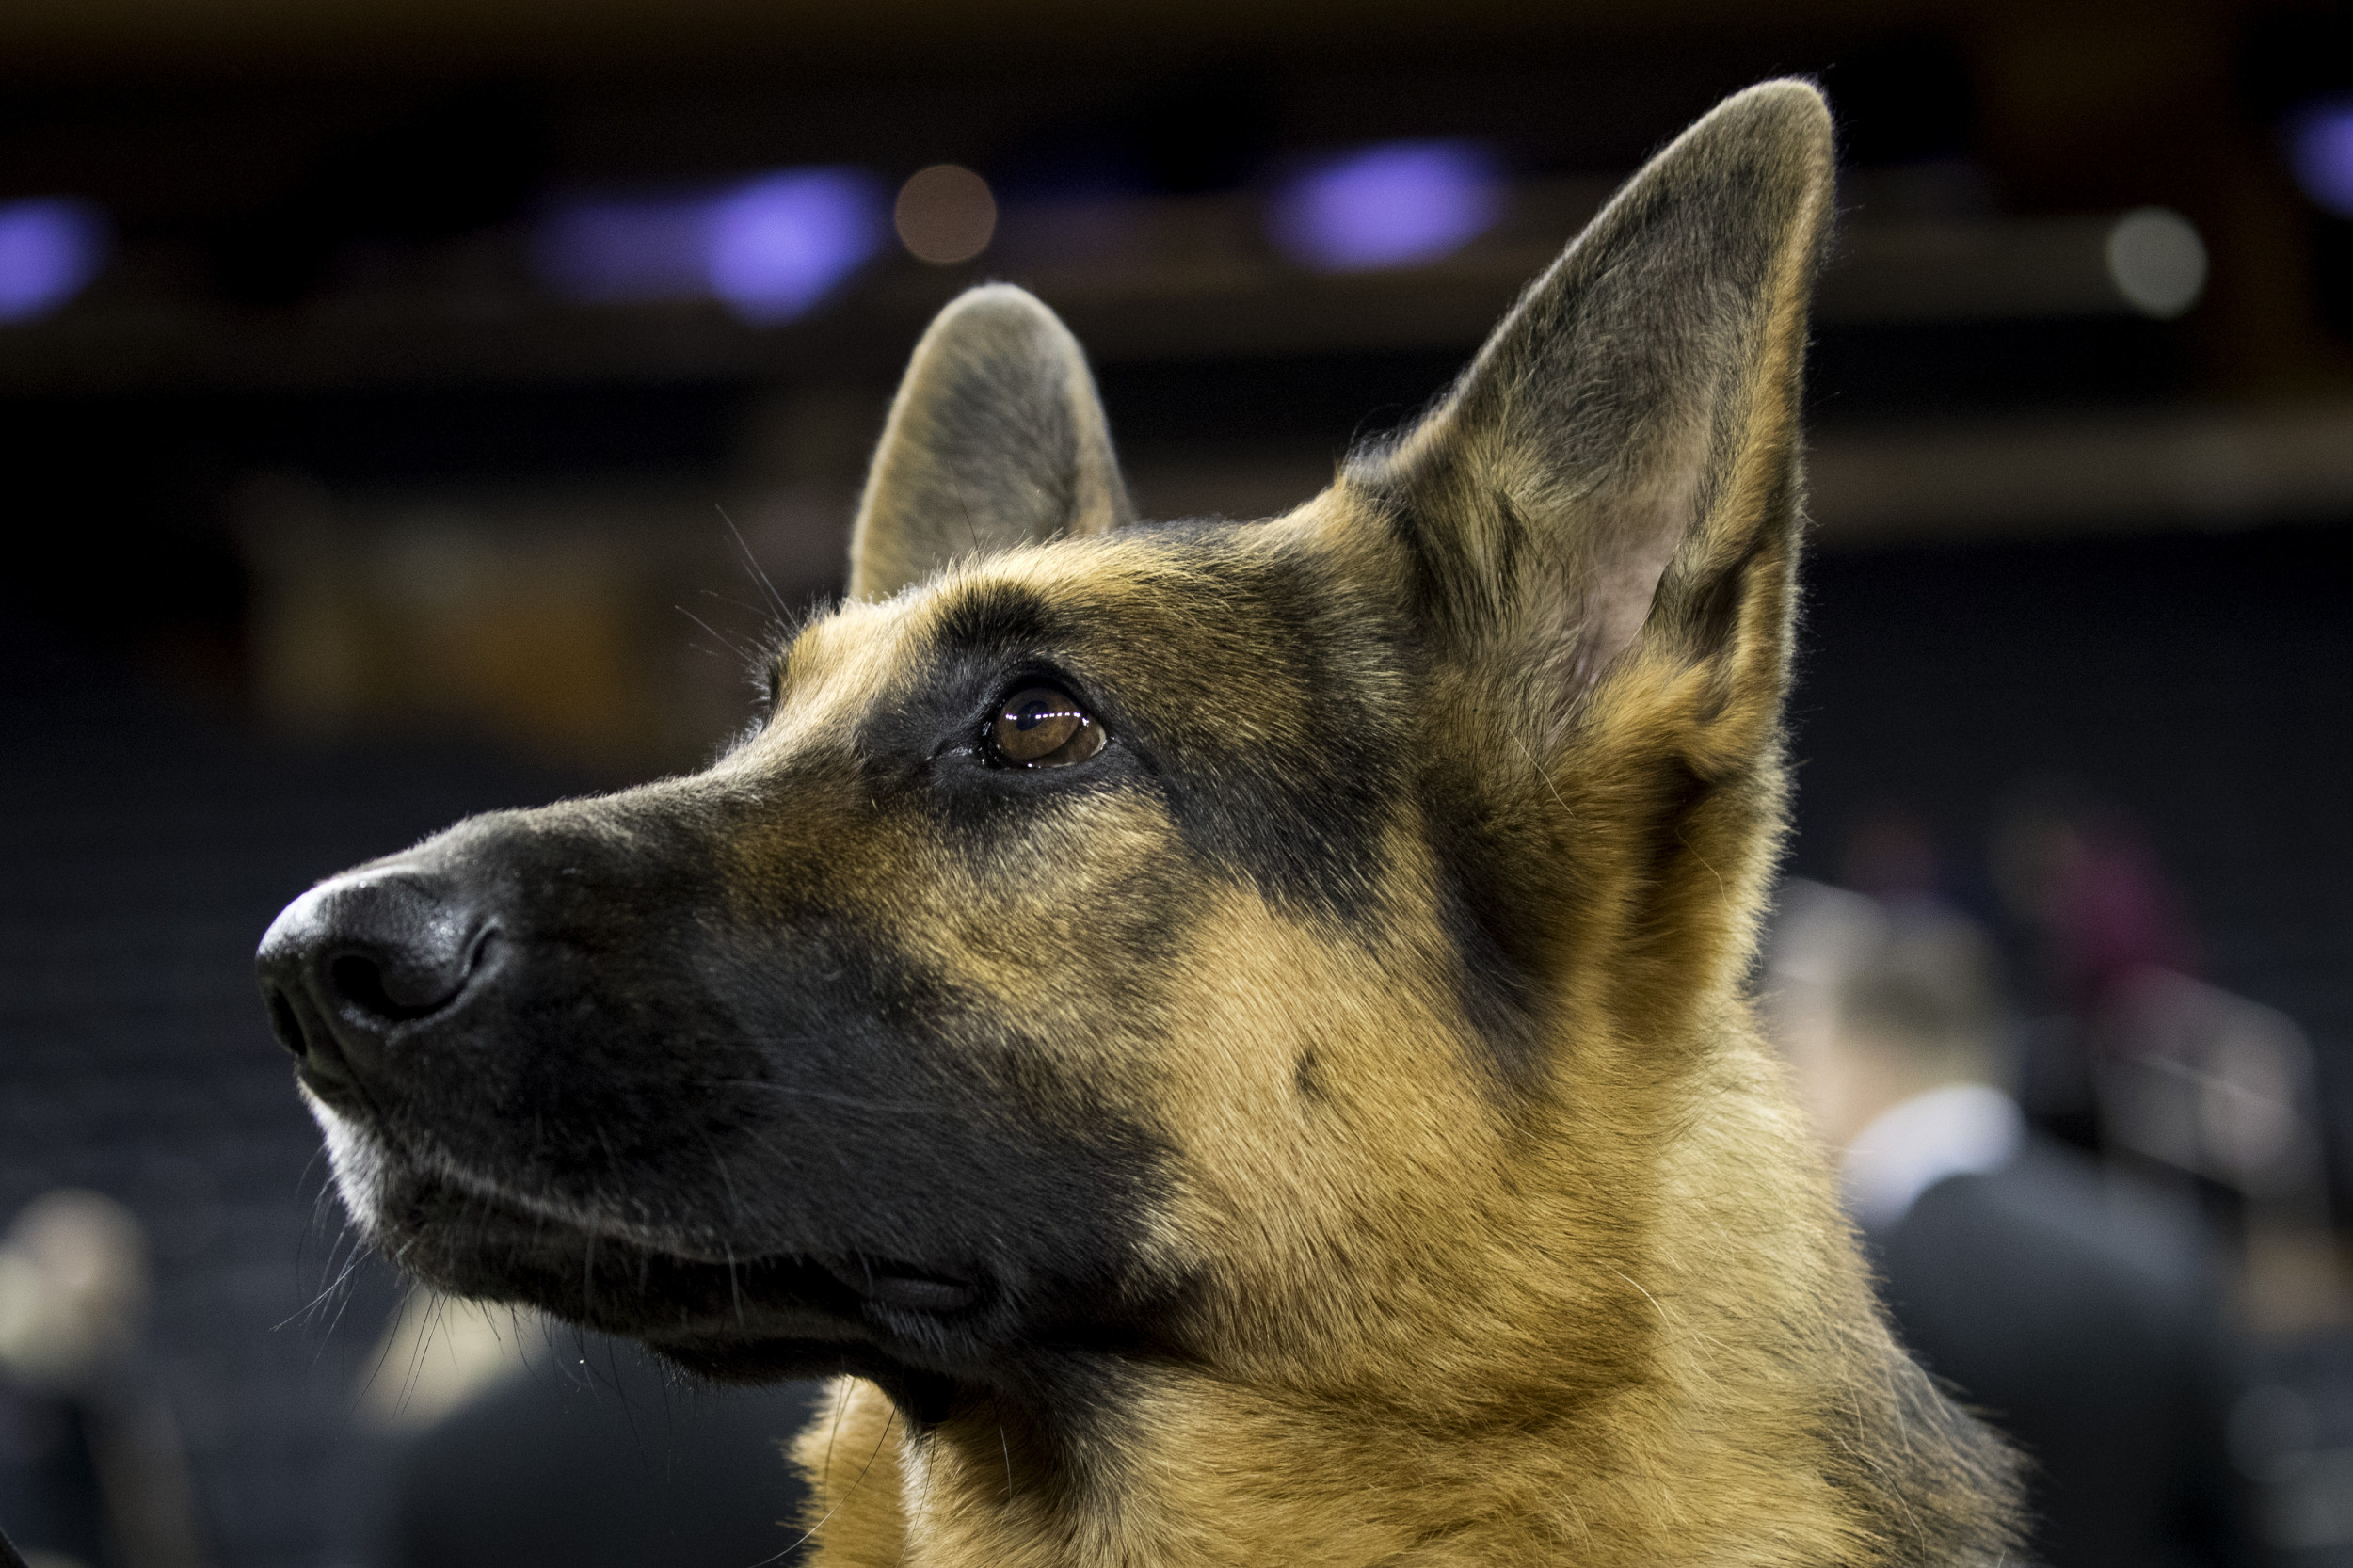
(897, 1282)
(694, 1292)
(905, 1286)
(900, 1284)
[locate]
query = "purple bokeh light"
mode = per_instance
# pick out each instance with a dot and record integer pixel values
(777, 243)
(1398, 204)
(770, 247)
(2320, 146)
(49, 252)
(604, 250)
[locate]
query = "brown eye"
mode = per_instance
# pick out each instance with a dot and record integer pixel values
(1043, 727)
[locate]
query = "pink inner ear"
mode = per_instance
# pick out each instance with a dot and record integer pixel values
(1615, 607)
(1633, 539)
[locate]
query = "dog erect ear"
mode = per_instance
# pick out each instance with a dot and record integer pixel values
(995, 439)
(1614, 483)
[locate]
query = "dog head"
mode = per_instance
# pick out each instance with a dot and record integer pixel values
(1116, 942)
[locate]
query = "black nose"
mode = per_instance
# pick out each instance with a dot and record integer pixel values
(352, 960)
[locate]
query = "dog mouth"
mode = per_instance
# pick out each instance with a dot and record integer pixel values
(782, 1316)
(758, 1318)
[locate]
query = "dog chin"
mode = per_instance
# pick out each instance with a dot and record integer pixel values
(357, 1157)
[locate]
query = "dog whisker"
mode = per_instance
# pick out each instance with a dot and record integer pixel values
(751, 564)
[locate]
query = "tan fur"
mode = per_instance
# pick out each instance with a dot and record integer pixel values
(1612, 1318)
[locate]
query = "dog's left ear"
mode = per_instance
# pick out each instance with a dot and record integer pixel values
(995, 439)
(1605, 506)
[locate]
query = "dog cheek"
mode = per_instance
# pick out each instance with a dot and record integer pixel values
(359, 1163)
(1062, 928)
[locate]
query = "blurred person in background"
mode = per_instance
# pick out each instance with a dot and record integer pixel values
(2160, 1071)
(2082, 1315)
(92, 1474)
(2095, 908)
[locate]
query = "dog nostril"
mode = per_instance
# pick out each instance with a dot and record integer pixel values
(358, 980)
(286, 1025)
(391, 991)
(357, 955)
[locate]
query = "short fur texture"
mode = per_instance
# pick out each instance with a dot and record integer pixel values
(1326, 1126)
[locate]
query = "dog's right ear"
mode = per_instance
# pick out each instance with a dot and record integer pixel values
(1614, 481)
(996, 439)
(1600, 529)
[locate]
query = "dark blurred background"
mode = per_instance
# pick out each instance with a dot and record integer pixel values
(397, 397)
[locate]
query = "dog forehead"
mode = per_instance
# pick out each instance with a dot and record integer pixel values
(1078, 596)
(1257, 620)
(1068, 588)
(828, 673)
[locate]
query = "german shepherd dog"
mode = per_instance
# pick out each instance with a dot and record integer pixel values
(1230, 1040)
